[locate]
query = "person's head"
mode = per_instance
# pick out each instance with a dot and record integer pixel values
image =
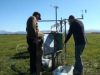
(71, 19)
(37, 15)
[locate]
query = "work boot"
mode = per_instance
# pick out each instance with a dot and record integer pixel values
(77, 73)
(33, 74)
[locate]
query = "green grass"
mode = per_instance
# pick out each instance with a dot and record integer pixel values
(90, 56)
(16, 61)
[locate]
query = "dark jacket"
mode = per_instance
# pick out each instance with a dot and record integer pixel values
(31, 28)
(77, 29)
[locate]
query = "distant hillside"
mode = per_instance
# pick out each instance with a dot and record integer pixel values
(7, 32)
(92, 31)
(45, 31)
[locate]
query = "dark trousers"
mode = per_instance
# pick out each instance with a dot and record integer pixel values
(78, 62)
(32, 52)
(35, 50)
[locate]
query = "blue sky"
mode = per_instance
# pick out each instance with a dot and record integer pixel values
(14, 13)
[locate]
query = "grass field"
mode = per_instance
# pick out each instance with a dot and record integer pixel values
(16, 61)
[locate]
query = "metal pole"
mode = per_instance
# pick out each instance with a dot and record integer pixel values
(65, 38)
(56, 15)
(61, 24)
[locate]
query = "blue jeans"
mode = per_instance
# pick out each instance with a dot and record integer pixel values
(78, 62)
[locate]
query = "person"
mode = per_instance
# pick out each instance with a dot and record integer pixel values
(34, 42)
(77, 29)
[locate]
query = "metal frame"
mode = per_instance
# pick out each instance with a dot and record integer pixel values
(61, 22)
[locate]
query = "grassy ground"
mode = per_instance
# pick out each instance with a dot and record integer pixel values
(91, 54)
(15, 61)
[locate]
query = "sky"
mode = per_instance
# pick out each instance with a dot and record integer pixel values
(14, 13)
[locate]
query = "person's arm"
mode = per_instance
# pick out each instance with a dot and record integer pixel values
(31, 28)
(34, 23)
(69, 34)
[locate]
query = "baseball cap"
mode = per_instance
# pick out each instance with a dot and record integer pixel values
(37, 13)
(71, 17)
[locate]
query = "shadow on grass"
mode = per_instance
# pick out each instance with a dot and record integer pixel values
(21, 55)
(19, 72)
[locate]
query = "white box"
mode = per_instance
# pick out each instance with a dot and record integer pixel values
(63, 70)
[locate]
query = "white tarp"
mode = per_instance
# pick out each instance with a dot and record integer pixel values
(48, 46)
(63, 70)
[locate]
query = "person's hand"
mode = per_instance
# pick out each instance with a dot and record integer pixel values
(40, 34)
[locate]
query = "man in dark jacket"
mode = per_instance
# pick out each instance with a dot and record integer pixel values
(34, 43)
(77, 29)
